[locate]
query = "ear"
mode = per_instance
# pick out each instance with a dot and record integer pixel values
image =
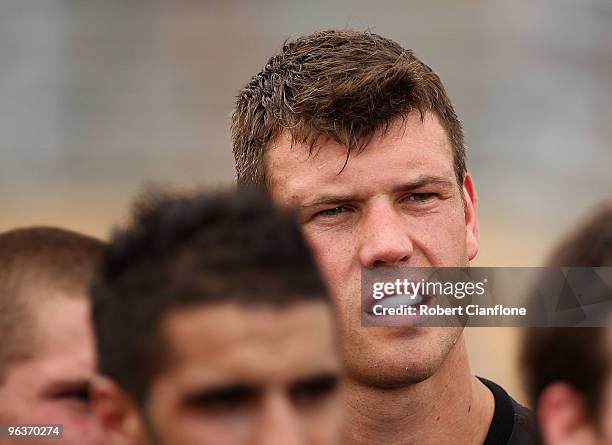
(116, 412)
(562, 416)
(471, 217)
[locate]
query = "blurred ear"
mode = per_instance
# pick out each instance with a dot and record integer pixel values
(563, 417)
(116, 412)
(471, 217)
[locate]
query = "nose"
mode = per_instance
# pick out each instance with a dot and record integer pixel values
(279, 422)
(385, 239)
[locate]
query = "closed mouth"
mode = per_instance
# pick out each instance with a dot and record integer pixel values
(397, 301)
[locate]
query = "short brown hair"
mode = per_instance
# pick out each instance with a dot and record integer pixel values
(342, 85)
(572, 355)
(55, 259)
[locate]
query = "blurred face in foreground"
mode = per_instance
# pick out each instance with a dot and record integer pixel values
(238, 375)
(52, 386)
(396, 203)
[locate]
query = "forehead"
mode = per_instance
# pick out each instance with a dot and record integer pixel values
(63, 341)
(217, 342)
(411, 147)
(64, 330)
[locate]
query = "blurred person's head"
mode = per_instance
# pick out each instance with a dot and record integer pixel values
(214, 327)
(46, 348)
(569, 370)
(359, 136)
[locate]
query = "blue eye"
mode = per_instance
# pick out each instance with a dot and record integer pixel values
(333, 212)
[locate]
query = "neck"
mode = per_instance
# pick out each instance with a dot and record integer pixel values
(451, 406)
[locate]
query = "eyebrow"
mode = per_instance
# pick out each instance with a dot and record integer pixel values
(61, 386)
(324, 380)
(238, 390)
(417, 183)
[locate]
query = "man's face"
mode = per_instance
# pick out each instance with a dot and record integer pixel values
(241, 375)
(52, 387)
(396, 203)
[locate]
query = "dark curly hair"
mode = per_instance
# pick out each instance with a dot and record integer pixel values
(179, 252)
(343, 85)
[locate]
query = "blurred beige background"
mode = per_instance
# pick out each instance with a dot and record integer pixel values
(99, 98)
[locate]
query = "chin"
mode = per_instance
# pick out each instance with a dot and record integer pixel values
(393, 357)
(391, 377)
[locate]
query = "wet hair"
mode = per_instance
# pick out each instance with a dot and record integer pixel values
(342, 85)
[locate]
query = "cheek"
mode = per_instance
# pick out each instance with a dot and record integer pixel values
(79, 423)
(326, 420)
(333, 251)
(442, 239)
(335, 254)
(85, 432)
(80, 416)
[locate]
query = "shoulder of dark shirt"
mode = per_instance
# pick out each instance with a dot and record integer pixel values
(523, 430)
